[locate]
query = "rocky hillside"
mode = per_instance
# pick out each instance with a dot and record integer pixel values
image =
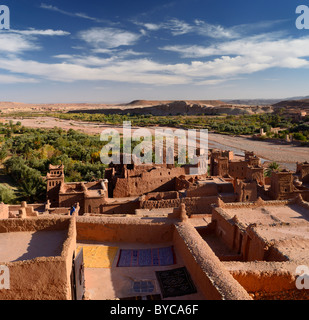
(180, 108)
(303, 103)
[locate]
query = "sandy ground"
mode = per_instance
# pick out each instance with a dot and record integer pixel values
(285, 154)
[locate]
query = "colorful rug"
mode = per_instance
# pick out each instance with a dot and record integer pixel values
(176, 282)
(98, 256)
(146, 257)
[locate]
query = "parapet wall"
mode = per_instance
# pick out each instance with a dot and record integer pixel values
(41, 278)
(121, 229)
(267, 280)
(4, 211)
(196, 205)
(206, 270)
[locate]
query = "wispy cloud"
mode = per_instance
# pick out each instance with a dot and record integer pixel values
(256, 46)
(179, 27)
(9, 79)
(73, 14)
(148, 72)
(35, 32)
(158, 8)
(216, 31)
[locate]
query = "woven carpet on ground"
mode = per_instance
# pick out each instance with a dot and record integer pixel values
(175, 282)
(98, 256)
(146, 257)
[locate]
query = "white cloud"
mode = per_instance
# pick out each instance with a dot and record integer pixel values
(232, 59)
(245, 56)
(214, 31)
(9, 79)
(255, 53)
(35, 32)
(209, 65)
(15, 43)
(131, 71)
(178, 27)
(18, 41)
(109, 37)
(152, 26)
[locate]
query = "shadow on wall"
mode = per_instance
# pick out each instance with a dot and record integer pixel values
(44, 244)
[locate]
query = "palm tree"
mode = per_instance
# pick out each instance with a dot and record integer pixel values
(272, 167)
(32, 189)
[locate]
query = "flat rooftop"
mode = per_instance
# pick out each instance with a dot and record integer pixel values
(216, 180)
(284, 226)
(267, 215)
(26, 245)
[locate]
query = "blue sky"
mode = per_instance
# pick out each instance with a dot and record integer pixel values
(118, 51)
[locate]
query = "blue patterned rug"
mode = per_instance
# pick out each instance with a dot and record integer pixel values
(146, 257)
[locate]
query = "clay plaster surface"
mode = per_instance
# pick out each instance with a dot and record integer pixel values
(16, 246)
(270, 214)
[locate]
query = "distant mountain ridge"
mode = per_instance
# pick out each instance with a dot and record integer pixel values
(263, 101)
(302, 103)
(164, 107)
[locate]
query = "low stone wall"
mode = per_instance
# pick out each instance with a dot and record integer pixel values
(194, 205)
(42, 278)
(267, 280)
(120, 208)
(121, 229)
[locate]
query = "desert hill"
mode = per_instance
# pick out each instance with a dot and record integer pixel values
(302, 104)
(253, 102)
(174, 108)
(146, 103)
